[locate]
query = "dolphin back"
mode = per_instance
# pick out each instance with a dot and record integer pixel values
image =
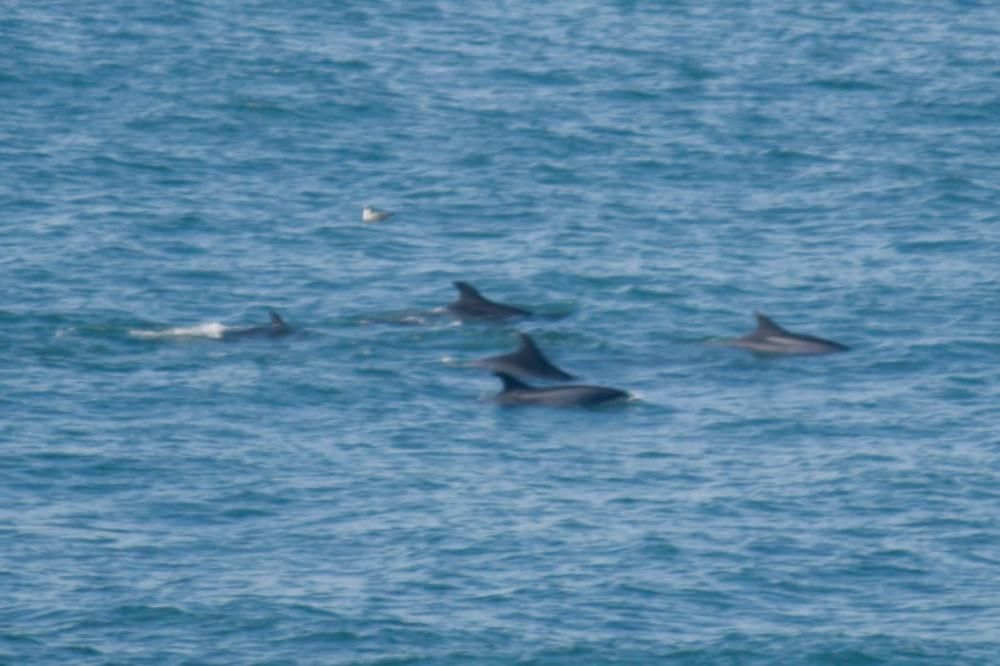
(471, 303)
(274, 329)
(770, 338)
(516, 392)
(527, 360)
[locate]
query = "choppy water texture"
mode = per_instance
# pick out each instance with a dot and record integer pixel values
(645, 175)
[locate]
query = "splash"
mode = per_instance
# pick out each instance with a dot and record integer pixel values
(214, 330)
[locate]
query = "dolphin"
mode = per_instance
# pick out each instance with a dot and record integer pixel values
(473, 305)
(275, 329)
(527, 360)
(516, 392)
(769, 338)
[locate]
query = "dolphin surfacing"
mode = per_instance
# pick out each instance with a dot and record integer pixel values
(527, 360)
(473, 305)
(275, 329)
(770, 338)
(516, 392)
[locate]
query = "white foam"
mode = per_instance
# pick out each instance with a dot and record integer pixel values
(212, 330)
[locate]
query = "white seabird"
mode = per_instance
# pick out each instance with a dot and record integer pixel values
(369, 214)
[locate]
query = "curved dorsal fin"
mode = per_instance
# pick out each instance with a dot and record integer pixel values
(511, 383)
(532, 357)
(276, 319)
(528, 345)
(767, 326)
(467, 291)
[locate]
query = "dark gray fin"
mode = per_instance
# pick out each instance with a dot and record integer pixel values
(277, 321)
(530, 356)
(766, 327)
(466, 292)
(511, 383)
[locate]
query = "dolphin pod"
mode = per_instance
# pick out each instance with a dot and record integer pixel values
(528, 360)
(768, 338)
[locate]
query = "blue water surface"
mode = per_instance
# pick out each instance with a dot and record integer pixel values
(644, 176)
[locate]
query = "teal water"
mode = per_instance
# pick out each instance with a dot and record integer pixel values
(645, 175)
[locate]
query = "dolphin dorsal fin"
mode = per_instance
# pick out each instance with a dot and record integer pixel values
(767, 326)
(510, 382)
(531, 356)
(467, 292)
(528, 346)
(276, 319)
(529, 353)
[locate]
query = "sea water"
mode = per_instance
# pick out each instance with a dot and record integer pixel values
(644, 176)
